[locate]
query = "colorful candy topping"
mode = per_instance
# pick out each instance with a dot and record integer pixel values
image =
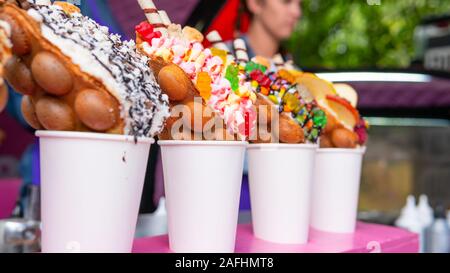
(361, 130)
(339, 100)
(280, 87)
(206, 67)
(204, 85)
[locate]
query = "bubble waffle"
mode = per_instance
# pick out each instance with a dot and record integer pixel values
(5, 54)
(76, 76)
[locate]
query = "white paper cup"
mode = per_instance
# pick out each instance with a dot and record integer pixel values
(91, 187)
(336, 189)
(280, 177)
(203, 183)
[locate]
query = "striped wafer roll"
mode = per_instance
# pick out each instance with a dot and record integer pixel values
(289, 65)
(43, 2)
(240, 50)
(216, 40)
(278, 60)
(164, 17)
(153, 17)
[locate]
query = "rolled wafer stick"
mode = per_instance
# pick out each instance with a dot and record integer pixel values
(164, 17)
(278, 60)
(240, 50)
(43, 2)
(216, 40)
(153, 16)
(289, 65)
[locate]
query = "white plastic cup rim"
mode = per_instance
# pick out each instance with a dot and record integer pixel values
(93, 136)
(358, 150)
(201, 143)
(261, 146)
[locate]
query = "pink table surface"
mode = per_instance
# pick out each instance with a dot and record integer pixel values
(368, 238)
(9, 193)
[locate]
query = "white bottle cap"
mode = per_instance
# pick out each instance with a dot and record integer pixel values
(425, 211)
(448, 217)
(409, 217)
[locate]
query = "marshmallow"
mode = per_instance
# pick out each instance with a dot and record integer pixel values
(164, 17)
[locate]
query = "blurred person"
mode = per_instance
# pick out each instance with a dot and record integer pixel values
(271, 23)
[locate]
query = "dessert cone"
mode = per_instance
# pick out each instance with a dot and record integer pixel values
(345, 127)
(277, 100)
(68, 87)
(5, 54)
(170, 57)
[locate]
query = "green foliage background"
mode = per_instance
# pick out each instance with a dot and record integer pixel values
(353, 33)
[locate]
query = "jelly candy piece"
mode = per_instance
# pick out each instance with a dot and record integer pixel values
(265, 81)
(361, 130)
(262, 79)
(302, 111)
(274, 99)
(204, 85)
(146, 31)
(314, 134)
(300, 119)
(222, 54)
(256, 75)
(264, 91)
(286, 75)
(291, 101)
(252, 66)
(282, 92)
(319, 118)
(286, 108)
(144, 28)
(149, 37)
(231, 75)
